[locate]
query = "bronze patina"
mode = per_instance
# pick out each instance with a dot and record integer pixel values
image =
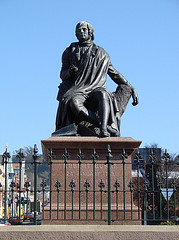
(86, 107)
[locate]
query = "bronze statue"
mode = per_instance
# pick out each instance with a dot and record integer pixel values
(86, 107)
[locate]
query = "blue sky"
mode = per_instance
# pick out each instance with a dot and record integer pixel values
(141, 37)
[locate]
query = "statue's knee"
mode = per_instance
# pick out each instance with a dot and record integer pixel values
(75, 105)
(102, 95)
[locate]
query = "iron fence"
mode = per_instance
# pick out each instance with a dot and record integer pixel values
(150, 196)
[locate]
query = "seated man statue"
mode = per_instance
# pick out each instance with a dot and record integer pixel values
(83, 97)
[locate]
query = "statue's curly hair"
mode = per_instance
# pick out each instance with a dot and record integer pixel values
(90, 29)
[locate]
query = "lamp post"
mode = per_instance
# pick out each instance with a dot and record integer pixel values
(27, 185)
(20, 156)
(43, 185)
(0, 199)
(12, 186)
(35, 162)
(5, 157)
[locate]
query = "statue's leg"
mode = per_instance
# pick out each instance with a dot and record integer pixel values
(81, 112)
(104, 110)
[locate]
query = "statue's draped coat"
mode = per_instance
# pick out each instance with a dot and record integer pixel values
(93, 66)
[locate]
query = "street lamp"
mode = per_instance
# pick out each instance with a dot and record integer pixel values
(27, 185)
(12, 186)
(5, 158)
(20, 156)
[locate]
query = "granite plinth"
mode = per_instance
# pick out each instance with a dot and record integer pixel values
(70, 203)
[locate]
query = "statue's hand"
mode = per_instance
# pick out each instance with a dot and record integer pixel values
(135, 97)
(73, 70)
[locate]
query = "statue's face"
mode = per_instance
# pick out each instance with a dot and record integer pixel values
(82, 32)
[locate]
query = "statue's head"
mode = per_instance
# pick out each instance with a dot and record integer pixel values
(84, 31)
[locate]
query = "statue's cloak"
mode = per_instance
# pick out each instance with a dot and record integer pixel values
(93, 67)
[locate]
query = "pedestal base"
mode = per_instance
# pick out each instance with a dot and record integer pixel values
(84, 193)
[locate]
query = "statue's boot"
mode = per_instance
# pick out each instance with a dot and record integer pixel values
(104, 112)
(104, 133)
(89, 116)
(82, 113)
(113, 131)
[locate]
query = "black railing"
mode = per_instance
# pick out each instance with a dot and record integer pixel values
(150, 197)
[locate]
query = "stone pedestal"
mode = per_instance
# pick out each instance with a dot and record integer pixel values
(89, 199)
